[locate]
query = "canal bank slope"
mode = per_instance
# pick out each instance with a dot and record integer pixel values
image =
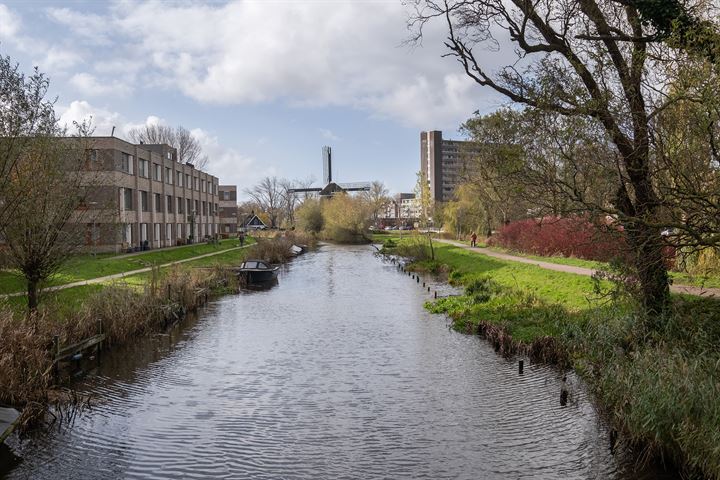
(655, 377)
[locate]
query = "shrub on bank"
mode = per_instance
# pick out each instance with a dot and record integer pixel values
(277, 249)
(342, 218)
(566, 236)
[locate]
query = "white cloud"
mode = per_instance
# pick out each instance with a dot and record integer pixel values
(345, 54)
(326, 133)
(89, 85)
(9, 23)
(229, 165)
(102, 120)
(11, 27)
(58, 59)
(87, 25)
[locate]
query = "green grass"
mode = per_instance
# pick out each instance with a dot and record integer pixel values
(86, 267)
(139, 280)
(571, 291)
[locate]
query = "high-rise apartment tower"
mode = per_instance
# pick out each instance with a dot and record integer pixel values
(443, 163)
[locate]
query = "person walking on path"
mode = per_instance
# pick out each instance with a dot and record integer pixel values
(473, 239)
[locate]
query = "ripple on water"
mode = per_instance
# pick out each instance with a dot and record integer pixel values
(337, 372)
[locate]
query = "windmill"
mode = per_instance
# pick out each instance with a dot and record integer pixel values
(331, 188)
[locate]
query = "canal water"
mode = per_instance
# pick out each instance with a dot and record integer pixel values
(337, 372)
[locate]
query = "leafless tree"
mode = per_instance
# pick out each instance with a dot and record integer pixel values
(53, 181)
(289, 201)
(377, 198)
(24, 114)
(188, 147)
(268, 195)
(596, 60)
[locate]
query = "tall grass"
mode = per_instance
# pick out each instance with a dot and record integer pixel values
(276, 248)
(662, 388)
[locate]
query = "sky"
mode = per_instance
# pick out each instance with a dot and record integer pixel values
(262, 85)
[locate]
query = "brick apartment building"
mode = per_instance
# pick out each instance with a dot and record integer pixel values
(146, 198)
(228, 209)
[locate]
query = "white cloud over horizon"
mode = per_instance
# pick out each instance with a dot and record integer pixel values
(228, 164)
(305, 54)
(259, 83)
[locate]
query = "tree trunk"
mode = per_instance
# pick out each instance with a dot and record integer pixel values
(651, 269)
(32, 293)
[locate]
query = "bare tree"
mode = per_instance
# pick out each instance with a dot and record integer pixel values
(583, 59)
(25, 113)
(377, 198)
(289, 200)
(268, 195)
(53, 186)
(188, 147)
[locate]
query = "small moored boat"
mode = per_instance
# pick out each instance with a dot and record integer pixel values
(257, 271)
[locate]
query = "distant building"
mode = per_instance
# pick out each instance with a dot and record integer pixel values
(408, 206)
(228, 209)
(442, 162)
(403, 209)
(252, 222)
(148, 199)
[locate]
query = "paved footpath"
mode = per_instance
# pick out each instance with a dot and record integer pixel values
(687, 289)
(123, 274)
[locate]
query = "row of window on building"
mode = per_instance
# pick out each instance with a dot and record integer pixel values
(165, 232)
(181, 179)
(184, 205)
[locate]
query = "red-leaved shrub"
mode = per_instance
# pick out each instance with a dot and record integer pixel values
(566, 236)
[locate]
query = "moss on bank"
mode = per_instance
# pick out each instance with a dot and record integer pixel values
(659, 386)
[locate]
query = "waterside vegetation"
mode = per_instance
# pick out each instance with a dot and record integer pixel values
(655, 378)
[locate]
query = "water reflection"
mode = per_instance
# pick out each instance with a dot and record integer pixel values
(337, 372)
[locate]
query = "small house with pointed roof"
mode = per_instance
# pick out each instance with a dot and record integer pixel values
(253, 222)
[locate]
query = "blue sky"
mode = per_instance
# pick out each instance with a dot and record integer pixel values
(263, 85)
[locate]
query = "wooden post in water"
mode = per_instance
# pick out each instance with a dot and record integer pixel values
(520, 367)
(56, 353)
(428, 289)
(100, 332)
(435, 293)
(418, 278)
(563, 392)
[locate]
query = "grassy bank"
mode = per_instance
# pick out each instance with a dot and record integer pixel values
(655, 377)
(86, 267)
